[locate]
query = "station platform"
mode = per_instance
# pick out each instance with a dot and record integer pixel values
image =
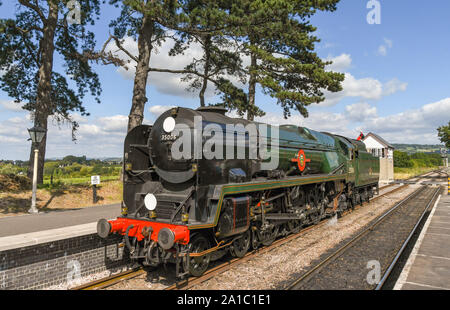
(428, 267)
(29, 223)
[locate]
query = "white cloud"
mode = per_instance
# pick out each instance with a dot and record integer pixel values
(157, 110)
(340, 63)
(365, 88)
(165, 83)
(413, 126)
(382, 49)
(97, 137)
(394, 86)
(388, 42)
(104, 136)
(359, 112)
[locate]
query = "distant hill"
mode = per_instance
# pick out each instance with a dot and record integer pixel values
(418, 148)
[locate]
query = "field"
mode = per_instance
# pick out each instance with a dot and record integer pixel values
(78, 180)
(406, 173)
(15, 195)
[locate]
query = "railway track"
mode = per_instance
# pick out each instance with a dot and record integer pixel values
(372, 253)
(221, 268)
(111, 280)
(193, 281)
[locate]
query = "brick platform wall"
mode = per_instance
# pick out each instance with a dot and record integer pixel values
(59, 262)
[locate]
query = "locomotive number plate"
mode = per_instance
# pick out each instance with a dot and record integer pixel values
(168, 137)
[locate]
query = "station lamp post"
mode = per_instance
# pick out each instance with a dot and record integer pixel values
(37, 134)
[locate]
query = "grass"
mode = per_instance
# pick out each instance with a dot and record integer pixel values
(60, 196)
(80, 180)
(405, 173)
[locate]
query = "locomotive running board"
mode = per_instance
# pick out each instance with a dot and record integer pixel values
(218, 192)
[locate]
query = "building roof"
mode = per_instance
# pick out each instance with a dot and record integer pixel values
(379, 139)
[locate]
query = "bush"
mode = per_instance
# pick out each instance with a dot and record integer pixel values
(416, 160)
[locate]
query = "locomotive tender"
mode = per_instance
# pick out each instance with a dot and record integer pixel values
(189, 211)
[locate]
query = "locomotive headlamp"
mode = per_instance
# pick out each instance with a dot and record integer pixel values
(169, 124)
(150, 202)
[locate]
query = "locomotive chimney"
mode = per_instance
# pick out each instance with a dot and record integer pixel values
(213, 109)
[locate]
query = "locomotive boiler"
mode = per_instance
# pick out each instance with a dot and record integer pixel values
(199, 184)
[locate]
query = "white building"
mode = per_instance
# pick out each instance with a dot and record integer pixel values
(385, 151)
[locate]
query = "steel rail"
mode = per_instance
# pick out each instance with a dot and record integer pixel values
(192, 281)
(111, 280)
(404, 245)
(342, 249)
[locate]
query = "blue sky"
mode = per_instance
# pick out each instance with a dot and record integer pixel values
(396, 85)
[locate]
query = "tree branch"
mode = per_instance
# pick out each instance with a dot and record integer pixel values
(35, 8)
(109, 58)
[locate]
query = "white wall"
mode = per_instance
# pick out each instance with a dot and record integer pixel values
(371, 143)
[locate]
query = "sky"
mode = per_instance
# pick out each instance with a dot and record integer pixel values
(396, 82)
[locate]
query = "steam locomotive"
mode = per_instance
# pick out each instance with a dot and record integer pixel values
(190, 210)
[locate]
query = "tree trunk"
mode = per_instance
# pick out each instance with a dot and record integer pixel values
(207, 50)
(136, 115)
(43, 106)
(251, 88)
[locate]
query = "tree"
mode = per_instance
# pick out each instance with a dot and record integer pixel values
(144, 28)
(444, 134)
(151, 23)
(27, 49)
(402, 160)
(207, 24)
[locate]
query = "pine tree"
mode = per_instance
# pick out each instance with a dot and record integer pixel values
(152, 22)
(142, 20)
(27, 49)
(221, 60)
(280, 45)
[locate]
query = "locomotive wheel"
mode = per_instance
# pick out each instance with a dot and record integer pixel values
(198, 265)
(316, 218)
(268, 237)
(240, 246)
(294, 226)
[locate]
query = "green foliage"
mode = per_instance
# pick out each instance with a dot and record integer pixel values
(76, 170)
(402, 160)
(444, 134)
(9, 168)
(278, 38)
(27, 44)
(416, 160)
(275, 34)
